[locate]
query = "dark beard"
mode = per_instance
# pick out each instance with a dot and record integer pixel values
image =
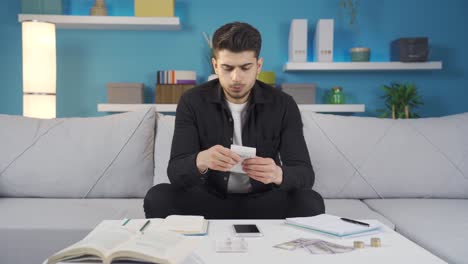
(238, 96)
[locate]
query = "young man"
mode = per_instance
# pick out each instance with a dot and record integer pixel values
(237, 109)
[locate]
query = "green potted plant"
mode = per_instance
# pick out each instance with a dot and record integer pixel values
(350, 7)
(400, 100)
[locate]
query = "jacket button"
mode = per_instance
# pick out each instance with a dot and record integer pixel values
(225, 178)
(230, 139)
(230, 119)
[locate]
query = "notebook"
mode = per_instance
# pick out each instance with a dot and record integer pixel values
(333, 225)
(189, 225)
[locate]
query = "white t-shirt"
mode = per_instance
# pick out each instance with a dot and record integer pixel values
(238, 182)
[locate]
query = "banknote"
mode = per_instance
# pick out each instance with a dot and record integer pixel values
(293, 244)
(315, 246)
(325, 247)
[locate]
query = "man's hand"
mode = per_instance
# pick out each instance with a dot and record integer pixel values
(263, 170)
(217, 158)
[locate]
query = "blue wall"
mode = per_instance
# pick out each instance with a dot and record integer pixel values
(88, 59)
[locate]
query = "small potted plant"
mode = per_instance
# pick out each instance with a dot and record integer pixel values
(400, 100)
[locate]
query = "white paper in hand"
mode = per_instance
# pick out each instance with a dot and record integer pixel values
(244, 153)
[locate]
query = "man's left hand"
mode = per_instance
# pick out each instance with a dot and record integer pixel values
(263, 170)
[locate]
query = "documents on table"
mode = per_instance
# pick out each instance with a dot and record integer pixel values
(334, 225)
(244, 153)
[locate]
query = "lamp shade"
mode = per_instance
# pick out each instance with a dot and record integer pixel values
(39, 69)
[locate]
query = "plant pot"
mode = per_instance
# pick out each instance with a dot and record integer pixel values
(360, 54)
(394, 114)
(336, 96)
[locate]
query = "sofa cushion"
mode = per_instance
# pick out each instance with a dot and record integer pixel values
(27, 222)
(365, 157)
(110, 156)
(354, 209)
(162, 147)
(439, 225)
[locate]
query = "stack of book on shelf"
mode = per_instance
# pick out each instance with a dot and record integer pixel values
(172, 84)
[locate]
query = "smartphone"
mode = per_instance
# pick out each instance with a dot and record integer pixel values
(247, 231)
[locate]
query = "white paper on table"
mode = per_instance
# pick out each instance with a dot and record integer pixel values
(244, 153)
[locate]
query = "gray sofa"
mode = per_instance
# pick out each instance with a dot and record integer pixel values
(61, 177)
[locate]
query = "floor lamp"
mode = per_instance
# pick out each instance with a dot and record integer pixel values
(39, 69)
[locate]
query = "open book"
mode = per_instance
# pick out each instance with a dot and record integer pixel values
(136, 240)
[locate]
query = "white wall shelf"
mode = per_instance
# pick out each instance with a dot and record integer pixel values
(106, 22)
(362, 66)
(333, 108)
(329, 108)
(135, 107)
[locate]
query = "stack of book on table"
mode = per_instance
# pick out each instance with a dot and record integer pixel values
(172, 84)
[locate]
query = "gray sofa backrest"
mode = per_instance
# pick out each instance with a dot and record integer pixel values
(363, 157)
(100, 157)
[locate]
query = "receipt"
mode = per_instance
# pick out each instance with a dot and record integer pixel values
(244, 153)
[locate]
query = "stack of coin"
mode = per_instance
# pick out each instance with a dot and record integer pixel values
(375, 242)
(358, 244)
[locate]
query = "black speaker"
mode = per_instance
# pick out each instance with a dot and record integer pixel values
(410, 49)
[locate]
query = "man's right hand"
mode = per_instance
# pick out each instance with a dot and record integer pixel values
(217, 158)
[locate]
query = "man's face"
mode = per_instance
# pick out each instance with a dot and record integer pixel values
(237, 73)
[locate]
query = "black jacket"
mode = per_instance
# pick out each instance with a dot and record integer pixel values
(273, 125)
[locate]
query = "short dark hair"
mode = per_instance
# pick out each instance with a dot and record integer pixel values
(237, 37)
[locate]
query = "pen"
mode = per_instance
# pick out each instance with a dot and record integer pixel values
(354, 221)
(126, 220)
(145, 225)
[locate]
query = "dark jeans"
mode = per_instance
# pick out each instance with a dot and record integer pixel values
(164, 199)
